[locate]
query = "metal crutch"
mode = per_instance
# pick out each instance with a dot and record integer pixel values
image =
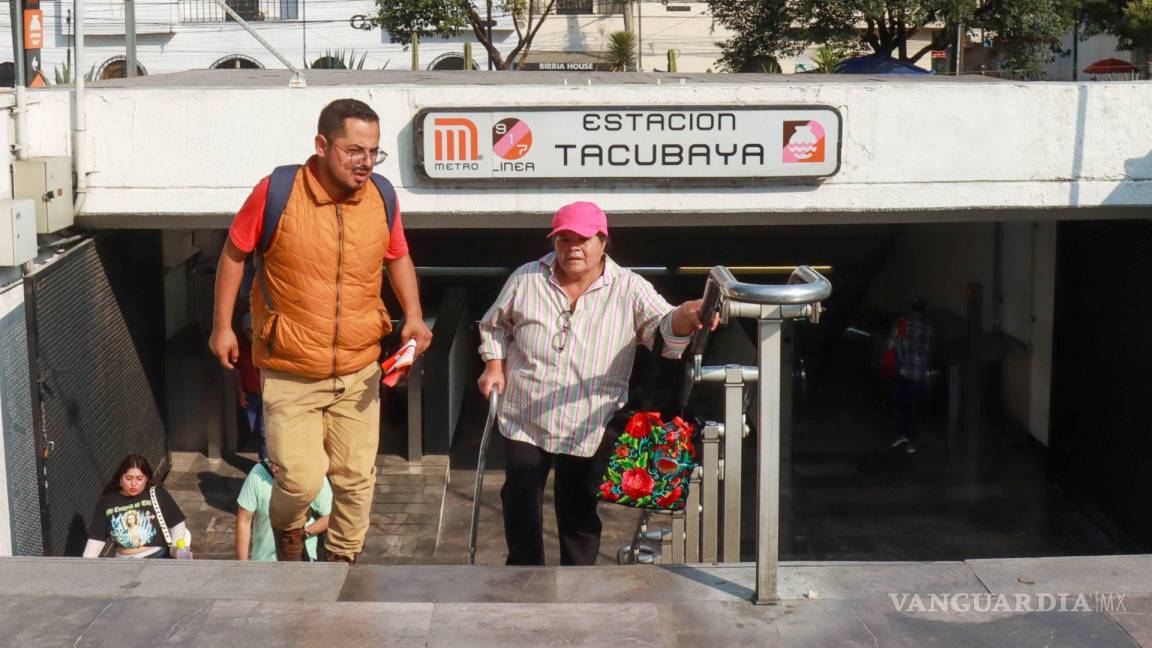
(493, 406)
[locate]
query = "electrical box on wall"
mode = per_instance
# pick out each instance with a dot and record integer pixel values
(17, 232)
(48, 182)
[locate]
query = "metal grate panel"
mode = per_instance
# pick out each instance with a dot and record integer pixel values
(95, 401)
(19, 439)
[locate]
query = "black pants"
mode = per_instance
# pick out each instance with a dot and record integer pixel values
(908, 406)
(577, 480)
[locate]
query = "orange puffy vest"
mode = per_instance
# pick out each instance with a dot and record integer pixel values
(323, 272)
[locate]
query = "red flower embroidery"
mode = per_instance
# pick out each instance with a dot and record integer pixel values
(672, 436)
(638, 426)
(622, 451)
(670, 498)
(636, 483)
(688, 447)
(606, 492)
(667, 466)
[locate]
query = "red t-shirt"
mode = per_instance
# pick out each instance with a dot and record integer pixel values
(249, 224)
(249, 373)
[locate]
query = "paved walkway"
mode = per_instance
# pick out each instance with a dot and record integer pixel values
(77, 602)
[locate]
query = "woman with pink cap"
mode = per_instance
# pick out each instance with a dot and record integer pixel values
(558, 345)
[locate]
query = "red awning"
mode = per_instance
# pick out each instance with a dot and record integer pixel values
(1111, 66)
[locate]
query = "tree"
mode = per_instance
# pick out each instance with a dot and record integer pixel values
(827, 58)
(1026, 32)
(1129, 20)
(762, 31)
(773, 28)
(404, 19)
(1137, 31)
(622, 51)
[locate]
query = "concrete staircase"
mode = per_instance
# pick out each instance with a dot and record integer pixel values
(406, 509)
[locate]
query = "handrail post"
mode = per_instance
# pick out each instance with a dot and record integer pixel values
(770, 305)
(768, 462)
(733, 459)
(710, 491)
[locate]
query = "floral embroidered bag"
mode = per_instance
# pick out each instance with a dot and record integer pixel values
(651, 464)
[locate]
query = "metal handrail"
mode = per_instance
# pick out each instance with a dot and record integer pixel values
(805, 286)
(771, 305)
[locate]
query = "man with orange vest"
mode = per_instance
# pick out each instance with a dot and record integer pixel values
(322, 233)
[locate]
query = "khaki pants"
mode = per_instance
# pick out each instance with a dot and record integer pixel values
(324, 427)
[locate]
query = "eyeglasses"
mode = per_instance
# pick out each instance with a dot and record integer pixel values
(564, 323)
(357, 154)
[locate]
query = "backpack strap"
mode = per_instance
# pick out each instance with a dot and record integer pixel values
(388, 194)
(279, 188)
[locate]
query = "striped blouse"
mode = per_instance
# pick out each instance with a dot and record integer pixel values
(562, 388)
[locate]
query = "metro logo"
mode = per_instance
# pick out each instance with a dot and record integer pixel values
(457, 139)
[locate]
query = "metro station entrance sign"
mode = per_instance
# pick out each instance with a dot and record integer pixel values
(624, 143)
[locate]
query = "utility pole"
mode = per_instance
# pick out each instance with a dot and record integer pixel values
(27, 40)
(17, 43)
(1076, 47)
(488, 27)
(959, 45)
(640, 35)
(130, 36)
(629, 18)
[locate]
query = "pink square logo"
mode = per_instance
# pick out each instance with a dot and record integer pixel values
(803, 142)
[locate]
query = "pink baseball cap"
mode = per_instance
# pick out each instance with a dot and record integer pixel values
(582, 218)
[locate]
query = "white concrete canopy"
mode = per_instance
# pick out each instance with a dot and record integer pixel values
(184, 150)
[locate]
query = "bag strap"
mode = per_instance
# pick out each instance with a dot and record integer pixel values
(280, 184)
(899, 337)
(279, 189)
(650, 386)
(388, 194)
(901, 329)
(160, 516)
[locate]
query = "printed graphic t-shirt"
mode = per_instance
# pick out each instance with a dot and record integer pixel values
(131, 522)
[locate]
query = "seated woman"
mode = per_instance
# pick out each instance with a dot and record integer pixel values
(127, 516)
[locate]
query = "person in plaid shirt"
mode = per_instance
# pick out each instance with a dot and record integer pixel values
(913, 337)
